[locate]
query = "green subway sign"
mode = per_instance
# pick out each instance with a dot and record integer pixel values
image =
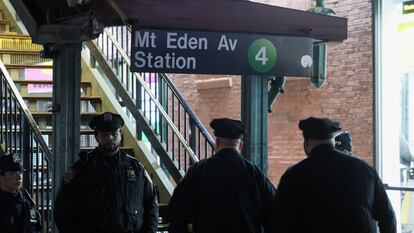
(195, 52)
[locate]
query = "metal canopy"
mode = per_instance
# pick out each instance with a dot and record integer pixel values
(211, 15)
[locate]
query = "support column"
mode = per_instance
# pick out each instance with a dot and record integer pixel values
(254, 115)
(66, 108)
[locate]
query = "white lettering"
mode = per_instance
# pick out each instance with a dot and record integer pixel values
(144, 40)
(233, 44)
(159, 62)
(184, 42)
(192, 43)
(225, 43)
(140, 62)
(153, 36)
(149, 59)
(171, 39)
(168, 61)
(191, 63)
(202, 42)
(180, 62)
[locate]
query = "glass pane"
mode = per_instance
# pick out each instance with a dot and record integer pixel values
(406, 209)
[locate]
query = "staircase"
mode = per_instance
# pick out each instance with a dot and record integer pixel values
(161, 130)
(18, 130)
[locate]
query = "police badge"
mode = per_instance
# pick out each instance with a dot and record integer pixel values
(16, 158)
(33, 216)
(131, 174)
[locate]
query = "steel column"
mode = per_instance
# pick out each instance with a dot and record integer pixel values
(66, 108)
(254, 106)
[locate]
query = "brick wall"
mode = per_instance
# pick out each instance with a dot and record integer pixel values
(347, 96)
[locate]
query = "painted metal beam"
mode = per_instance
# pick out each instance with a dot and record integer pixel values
(66, 108)
(254, 115)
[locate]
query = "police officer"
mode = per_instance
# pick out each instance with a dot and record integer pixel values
(18, 212)
(330, 191)
(224, 193)
(106, 190)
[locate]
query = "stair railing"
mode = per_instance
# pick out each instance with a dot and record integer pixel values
(20, 134)
(173, 121)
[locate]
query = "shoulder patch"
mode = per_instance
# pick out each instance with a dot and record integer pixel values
(140, 166)
(70, 173)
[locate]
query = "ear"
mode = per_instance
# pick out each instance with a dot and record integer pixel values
(306, 145)
(217, 143)
(241, 145)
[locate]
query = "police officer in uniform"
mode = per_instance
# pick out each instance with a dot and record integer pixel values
(18, 212)
(330, 191)
(224, 193)
(106, 190)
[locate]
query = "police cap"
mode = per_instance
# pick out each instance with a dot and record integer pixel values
(318, 128)
(228, 128)
(107, 122)
(10, 163)
(343, 141)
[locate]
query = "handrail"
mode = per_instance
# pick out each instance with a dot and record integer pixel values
(398, 188)
(28, 114)
(189, 110)
(174, 90)
(177, 94)
(147, 89)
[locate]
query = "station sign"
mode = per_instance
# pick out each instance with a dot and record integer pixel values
(195, 52)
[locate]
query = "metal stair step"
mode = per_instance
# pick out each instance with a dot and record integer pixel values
(20, 66)
(83, 114)
(4, 25)
(49, 97)
(82, 131)
(4, 21)
(50, 82)
(11, 35)
(19, 51)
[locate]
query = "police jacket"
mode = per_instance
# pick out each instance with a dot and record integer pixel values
(104, 197)
(222, 194)
(18, 213)
(332, 192)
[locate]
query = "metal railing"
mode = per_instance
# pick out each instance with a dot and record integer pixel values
(20, 134)
(177, 126)
(401, 197)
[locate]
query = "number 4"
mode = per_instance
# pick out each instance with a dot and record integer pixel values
(261, 56)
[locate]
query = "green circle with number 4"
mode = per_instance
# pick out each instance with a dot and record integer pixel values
(262, 55)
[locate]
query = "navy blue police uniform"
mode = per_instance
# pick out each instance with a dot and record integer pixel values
(18, 213)
(222, 194)
(331, 191)
(101, 195)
